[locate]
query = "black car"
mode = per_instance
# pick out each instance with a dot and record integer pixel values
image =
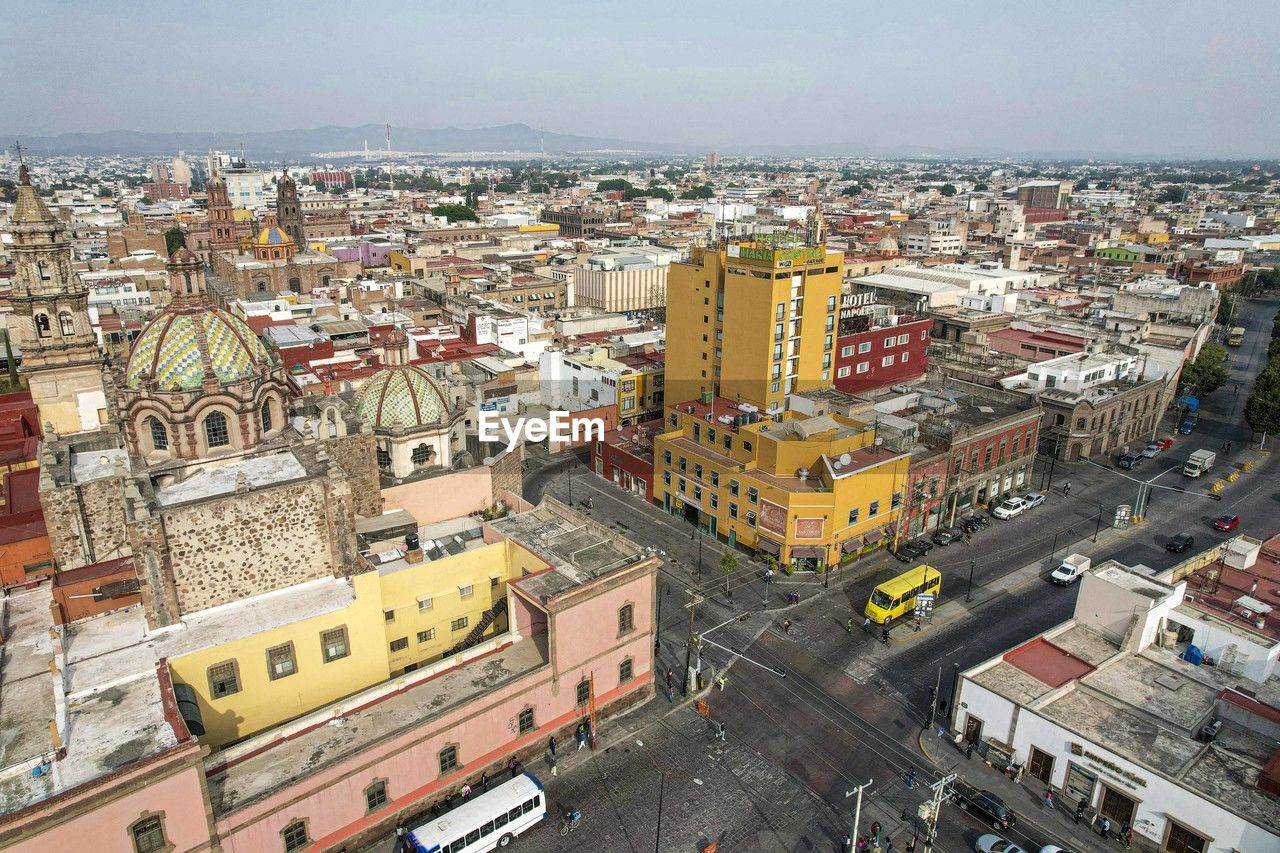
(1180, 543)
(987, 806)
(947, 536)
(912, 551)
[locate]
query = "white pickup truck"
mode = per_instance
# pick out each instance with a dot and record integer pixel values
(1071, 569)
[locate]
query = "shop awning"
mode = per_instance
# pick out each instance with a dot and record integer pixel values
(769, 547)
(851, 545)
(875, 536)
(808, 553)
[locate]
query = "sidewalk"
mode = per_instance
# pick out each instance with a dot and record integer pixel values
(1024, 797)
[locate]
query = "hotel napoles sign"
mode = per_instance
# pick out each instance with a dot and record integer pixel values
(803, 255)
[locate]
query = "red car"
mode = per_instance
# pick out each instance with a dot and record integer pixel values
(1163, 443)
(1226, 522)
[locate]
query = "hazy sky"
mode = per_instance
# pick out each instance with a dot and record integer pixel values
(1169, 78)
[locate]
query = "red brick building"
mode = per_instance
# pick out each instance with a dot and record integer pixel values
(1224, 276)
(873, 351)
(625, 457)
(164, 191)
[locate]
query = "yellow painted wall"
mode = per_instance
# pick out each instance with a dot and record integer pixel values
(262, 702)
(685, 327)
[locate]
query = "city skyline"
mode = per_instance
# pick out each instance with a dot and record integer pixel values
(671, 76)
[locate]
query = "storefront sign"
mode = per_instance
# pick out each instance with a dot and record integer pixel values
(1104, 765)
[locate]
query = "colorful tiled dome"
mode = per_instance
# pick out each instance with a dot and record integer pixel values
(272, 236)
(170, 350)
(403, 396)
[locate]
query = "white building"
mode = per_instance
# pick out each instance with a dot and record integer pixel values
(940, 286)
(1076, 373)
(626, 279)
(576, 379)
(1106, 708)
(248, 188)
(932, 243)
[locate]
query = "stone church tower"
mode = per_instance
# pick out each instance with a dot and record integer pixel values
(289, 211)
(222, 223)
(60, 357)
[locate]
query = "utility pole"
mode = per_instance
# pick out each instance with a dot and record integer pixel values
(968, 596)
(1098, 527)
(929, 811)
(857, 808)
(933, 699)
(694, 601)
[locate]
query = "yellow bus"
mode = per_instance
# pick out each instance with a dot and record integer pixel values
(897, 596)
(1235, 337)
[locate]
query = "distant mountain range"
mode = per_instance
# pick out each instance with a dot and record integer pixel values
(293, 144)
(300, 145)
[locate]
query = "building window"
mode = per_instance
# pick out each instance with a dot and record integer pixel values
(389, 615)
(280, 661)
(584, 693)
(842, 372)
(864, 366)
(448, 759)
(399, 644)
(753, 494)
(148, 835)
(42, 325)
(625, 671)
(874, 509)
(715, 501)
(525, 721)
(224, 679)
(459, 623)
(384, 458)
(733, 488)
(905, 356)
(334, 644)
(626, 618)
(159, 435)
(697, 472)
(845, 352)
(733, 510)
(751, 518)
(902, 339)
(466, 591)
(66, 325)
(887, 361)
(425, 602)
(265, 413)
(295, 836)
(215, 430)
(427, 635)
(896, 500)
(853, 515)
(864, 347)
(375, 796)
(715, 478)
(666, 456)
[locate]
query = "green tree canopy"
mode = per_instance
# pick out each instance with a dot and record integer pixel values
(1173, 195)
(1262, 409)
(613, 185)
(980, 188)
(174, 239)
(538, 187)
(505, 187)
(651, 192)
(455, 212)
(728, 563)
(700, 191)
(948, 190)
(852, 189)
(1207, 373)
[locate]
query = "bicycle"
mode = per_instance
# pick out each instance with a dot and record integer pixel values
(570, 822)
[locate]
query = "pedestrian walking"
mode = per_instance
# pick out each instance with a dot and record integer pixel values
(720, 681)
(721, 731)
(1066, 489)
(848, 626)
(875, 832)
(552, 743)
(402, 840)
(1080, 810)
(866, 624)
(581, 735)
(846, 843)
(515, 766)
(863, 844)
(671, 677)
(884, 635)
(484, 781)
(968, 750)
(1106, 827)
(465, 791)
(1048, 800)
(917, 625)
(786, 626)
(911, 777)
(888, 845)
(551, 761)
(671, 694)
(911, 845)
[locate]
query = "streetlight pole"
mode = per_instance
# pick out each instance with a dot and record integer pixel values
(1098, 527)
(968, 596)
(857, 808)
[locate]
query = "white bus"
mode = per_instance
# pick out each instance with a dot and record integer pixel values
(486, 822)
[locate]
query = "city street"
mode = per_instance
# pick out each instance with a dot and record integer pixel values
(852, 709)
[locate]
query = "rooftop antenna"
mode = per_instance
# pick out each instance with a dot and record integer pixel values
(242, 160)
(18, 149)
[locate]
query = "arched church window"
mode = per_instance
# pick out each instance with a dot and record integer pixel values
(215, 430)
(384, 458)
(421, 455)
(295, 284)
(66, 324)
(42, 325)
(159, 435)
(266, 415)
(186, 276)
(324, 280)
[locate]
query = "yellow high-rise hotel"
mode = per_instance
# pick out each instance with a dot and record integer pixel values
(748, 324)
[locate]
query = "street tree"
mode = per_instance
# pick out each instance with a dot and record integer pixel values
(613, 185)
(1207, 373)
(702, 191)
(174, 239)
(455, 212)
(1262, 409)
(948, 190)
(728, 563)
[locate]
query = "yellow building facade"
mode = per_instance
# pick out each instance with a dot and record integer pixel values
(396, 618)
(808, 491)
(752, 321)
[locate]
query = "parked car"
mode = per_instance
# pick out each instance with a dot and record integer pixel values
(1164, 443)
(947, 536)
(995, 844)
(1151, 451)
(1009, 508)
(1129, 461)
(1226, 522)
(985, 805)
(1033, 499)
(911, 551)
(1180, 543)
